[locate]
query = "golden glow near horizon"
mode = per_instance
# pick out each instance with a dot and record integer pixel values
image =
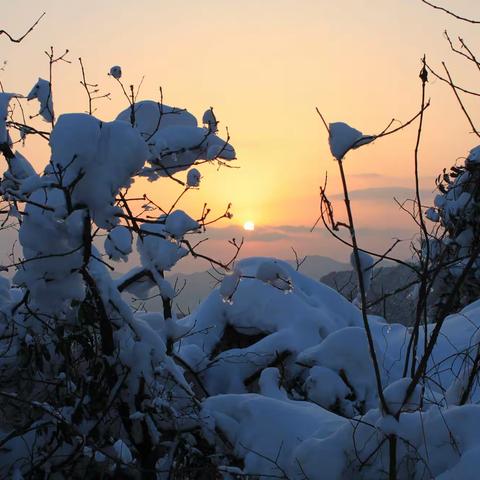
(263, 66)
(249, 226)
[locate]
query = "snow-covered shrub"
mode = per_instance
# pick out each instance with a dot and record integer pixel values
(456, 214)
(89, 386)
(235, 336)
(315, 413)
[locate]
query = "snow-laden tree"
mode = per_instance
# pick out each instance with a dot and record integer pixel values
(89, 386)
(454, 244)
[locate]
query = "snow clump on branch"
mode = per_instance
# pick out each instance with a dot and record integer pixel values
(4, 103)
(174, 139)
(193, 178)
(98, 159)
(343, 138)
(42, 91)
(116, 72)
(273, 273)
(118, 244)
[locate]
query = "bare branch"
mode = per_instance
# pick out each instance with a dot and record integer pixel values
(19, 39)
(449, 12)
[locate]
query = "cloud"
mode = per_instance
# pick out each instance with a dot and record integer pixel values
(264, 233)
(366, 175)
(383, 193)
(271, 233)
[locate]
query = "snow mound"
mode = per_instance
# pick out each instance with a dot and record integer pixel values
(265, 431)
(230, 344)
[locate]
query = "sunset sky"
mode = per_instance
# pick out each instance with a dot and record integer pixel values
(264, 66)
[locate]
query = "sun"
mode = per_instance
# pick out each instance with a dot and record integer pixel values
(249, 225)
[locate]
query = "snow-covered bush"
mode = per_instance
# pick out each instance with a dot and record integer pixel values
(89, 386)
(455, 216)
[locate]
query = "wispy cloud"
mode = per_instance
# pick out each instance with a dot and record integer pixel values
(383, 193)
(285, 232)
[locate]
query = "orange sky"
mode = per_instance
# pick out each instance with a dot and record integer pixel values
(264, 66)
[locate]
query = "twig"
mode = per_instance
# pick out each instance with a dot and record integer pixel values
(449, 12)
(19, 39)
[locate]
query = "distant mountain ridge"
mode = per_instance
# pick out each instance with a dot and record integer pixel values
(197, 286)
